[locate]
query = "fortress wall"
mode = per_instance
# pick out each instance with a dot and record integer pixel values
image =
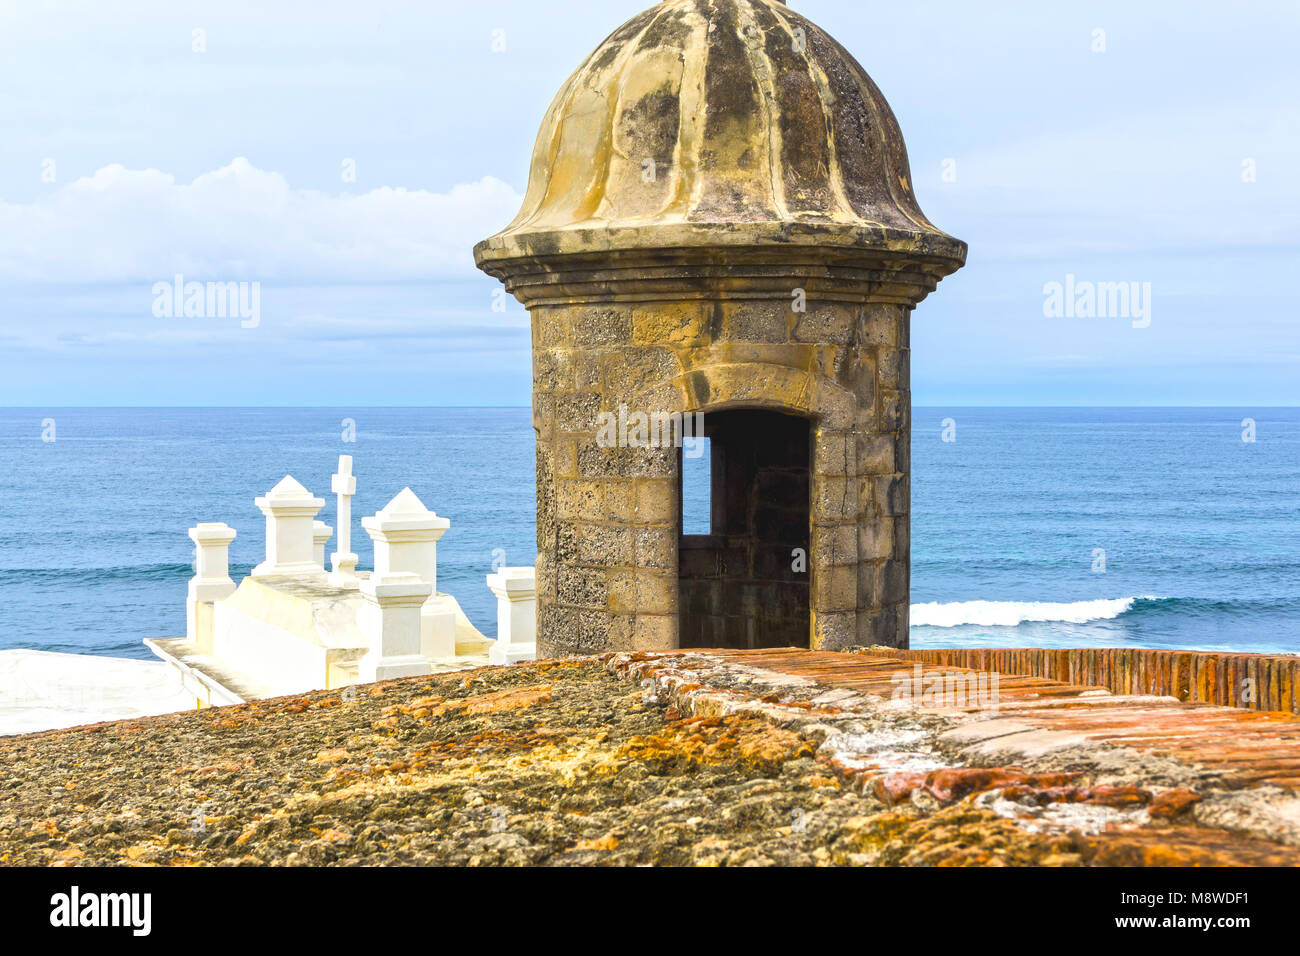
(1265, 682)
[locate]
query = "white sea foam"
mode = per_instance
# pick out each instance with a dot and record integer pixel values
(1011, 613)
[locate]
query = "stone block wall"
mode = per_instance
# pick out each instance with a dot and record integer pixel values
(609, 517)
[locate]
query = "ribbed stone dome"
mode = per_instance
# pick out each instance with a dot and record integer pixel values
(720, 123)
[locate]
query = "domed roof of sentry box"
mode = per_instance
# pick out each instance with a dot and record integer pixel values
(707, 123)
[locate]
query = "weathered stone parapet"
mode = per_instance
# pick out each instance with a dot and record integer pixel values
(890, 784)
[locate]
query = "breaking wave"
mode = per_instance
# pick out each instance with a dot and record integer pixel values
(1011, 613)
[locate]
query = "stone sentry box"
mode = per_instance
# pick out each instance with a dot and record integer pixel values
(720, 220)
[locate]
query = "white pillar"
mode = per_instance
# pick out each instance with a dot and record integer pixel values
(343, 562)
(516, 591)
(437, 630)
(320, 536)
(289, 510)
(389, 619)
(211, 581)
(406, 536)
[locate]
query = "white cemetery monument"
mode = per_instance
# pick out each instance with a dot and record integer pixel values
(516, 592)
(292, 626)
(343, 562)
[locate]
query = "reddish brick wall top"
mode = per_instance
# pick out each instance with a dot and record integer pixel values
(1250, 681)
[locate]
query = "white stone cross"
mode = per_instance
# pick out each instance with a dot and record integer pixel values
(343, 561)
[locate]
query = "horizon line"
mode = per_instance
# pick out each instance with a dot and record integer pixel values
(527, 407)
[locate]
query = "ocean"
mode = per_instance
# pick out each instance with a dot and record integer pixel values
(1153, 527)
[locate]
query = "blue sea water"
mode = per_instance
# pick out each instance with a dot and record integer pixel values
(94, 554)
(1160, 527)
(1155, 527)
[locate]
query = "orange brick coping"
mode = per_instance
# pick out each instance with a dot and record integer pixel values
(1248, 747)
(1250, 681)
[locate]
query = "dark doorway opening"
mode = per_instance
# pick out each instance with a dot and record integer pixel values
(746, 583)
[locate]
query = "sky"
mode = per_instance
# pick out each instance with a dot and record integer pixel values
(346, 157)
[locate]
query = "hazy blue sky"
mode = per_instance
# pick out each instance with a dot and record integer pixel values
(126, 157)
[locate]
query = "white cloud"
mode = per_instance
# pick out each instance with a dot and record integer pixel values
(241, 222)
(1137, 184)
